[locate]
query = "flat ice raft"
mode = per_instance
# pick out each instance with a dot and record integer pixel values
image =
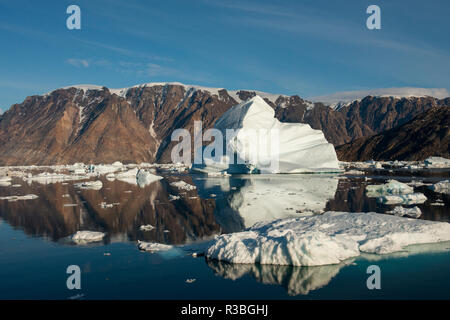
(263, 144)
(325, 239)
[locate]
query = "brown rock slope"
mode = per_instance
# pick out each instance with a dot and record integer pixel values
(135, 125)
(426, 135)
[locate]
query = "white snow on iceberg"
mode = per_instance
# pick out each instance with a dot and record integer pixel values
(82, 237)
(325, 239)
(277, 147)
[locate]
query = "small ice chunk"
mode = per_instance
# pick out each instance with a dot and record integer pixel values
(153, 246)
(441, 187)
(411, 198)
(173, 197)
(89, 185)
(392, 187)
(190, 280)
(87, 236)
(437, 162)
(145, 178)
(183, 185)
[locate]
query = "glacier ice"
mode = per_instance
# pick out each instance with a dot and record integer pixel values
(261, 143)
(325, 239)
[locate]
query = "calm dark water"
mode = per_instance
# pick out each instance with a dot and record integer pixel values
(34, 250)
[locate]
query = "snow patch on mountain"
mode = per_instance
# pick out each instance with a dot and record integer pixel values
(340, 99)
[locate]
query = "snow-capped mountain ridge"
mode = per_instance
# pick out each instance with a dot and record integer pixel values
(122, 92)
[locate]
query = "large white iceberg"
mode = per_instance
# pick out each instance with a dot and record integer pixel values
(261, 143)
(325, 239)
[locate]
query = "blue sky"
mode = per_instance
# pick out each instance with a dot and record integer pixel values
(310, 47)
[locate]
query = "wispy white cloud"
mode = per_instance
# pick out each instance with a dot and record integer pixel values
(347, 96)
(78, 62)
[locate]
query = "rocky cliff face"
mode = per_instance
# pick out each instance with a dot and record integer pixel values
(426, 135)
(94, 125)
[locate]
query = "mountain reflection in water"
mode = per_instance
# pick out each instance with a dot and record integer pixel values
(217, 205)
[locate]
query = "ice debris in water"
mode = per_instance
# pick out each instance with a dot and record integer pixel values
(147, 227)
(400, 211)
(89, 185)
(395, 192)
(153, 246)
(389, 188)
(183, 185)
(441, 187)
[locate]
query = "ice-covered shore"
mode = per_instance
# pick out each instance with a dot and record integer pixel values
(325, 239)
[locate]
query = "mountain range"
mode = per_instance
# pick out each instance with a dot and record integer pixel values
(95, 124)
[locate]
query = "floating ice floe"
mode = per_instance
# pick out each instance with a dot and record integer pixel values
(437, 162)
(410, 198)
(47, 178)
(355, 172)
(173, 197)
(16, 198)
(277, 148)
(389, 188)
(5, 178)
(272, 197)
(441, 187)
(144, 178)
(183, 185)
(128, 176)
(325, 239)
(153, 246)
(87, 236)
(400, 211)
(297, 280)
(89, 185)
(105, 205)
(394, 192)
